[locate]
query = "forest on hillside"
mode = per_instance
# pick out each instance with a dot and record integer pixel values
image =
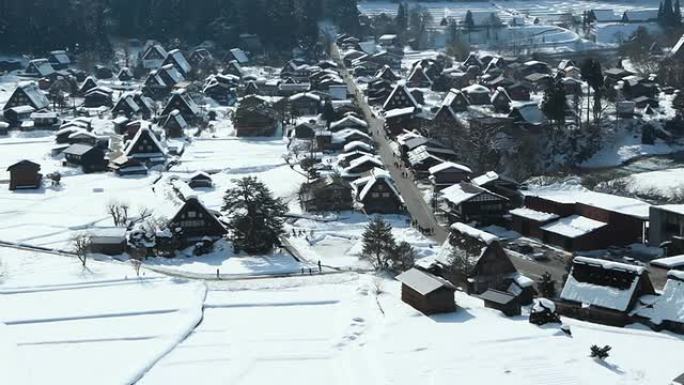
(86, 25)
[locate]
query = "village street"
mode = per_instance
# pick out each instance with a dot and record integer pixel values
(416, 206)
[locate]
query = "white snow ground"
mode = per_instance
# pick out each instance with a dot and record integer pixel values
(341, 332)
(65, 324)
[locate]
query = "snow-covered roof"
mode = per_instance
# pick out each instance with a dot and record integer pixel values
(605, 15)
(641, 15)
(348, 120)
(603, 295)
(138, 135)
(417, 72)
(610, 265)
(573, 226)
(485, 178)
(42, 66)
(472, 232)
(342, 135)
(577, 194)
(447, 165)
(676, 209)
(673, 262)
(422, 282)
(377, 175)
(357, 145)
(173, 72)
(399, 112)
(463, 192)
(531, 113)
(359, 161)
(475, 89)
(669, 306)
(34, 94)
(239, 55)
(537, 216)
(308, 95)
(395, 90)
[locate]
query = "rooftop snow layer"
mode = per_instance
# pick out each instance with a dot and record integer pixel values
(422, 282)
(475, 233)
(575, 194)
(538, 216)
(674, 262)
(573, 226)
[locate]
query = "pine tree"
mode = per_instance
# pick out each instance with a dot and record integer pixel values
(404, 257)
(402, 19)
(547, 286)
(593, 75)
(677, 13)
(255, 217)
(378, 243)
(328, 112)
(468, 21)
(668, 13)
(555, 104)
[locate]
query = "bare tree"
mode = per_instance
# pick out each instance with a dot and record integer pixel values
(144, 213)
(81, 244)
(136, 262)
(119, 212)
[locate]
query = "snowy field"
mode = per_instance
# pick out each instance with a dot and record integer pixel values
(227, 264)
(440, 10)
(341, 331)
(65, 324)
(667, 185)
(337, 241)
(37, 217)
(624, 145)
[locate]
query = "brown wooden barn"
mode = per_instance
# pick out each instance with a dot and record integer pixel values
(24, 175)
(506, 303)
(427, 293)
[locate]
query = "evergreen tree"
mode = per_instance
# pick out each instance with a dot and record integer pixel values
(402, 19)
(593, 74)
(668, 13)
(547, 286)
(255, 217)
(328, 112)
(555, 104)
(378, 243)
(677, 13)
(661, 13)
(468, 21)
(404, 257)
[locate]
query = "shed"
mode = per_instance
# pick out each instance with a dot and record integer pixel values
(24, 175)
(427, 293)
(108, 241)
(200, 179)
(90, 158)
(500, 300)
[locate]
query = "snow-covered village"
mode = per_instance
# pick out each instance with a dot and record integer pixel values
(341, 191)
